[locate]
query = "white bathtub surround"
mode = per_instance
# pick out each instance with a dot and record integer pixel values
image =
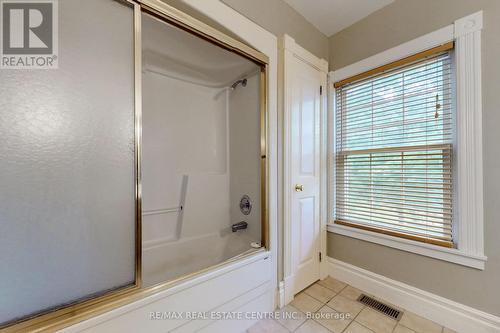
(201, 153)
(184, 160)
(244, 149)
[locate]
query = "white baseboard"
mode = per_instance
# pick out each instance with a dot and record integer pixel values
(281, 295)
(288, 289)
(448, 313)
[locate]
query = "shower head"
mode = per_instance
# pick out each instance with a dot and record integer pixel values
(242, 81)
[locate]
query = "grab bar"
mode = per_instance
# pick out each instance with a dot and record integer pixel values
(162, 211)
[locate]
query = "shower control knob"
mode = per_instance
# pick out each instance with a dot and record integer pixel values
(245, 205)
(299, 187)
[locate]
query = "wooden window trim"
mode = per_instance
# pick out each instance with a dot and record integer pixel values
(395, 64)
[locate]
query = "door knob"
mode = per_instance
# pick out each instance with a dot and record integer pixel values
(299, 187)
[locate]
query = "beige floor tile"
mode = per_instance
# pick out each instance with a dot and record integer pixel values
(357, 328)
(306, 303)
(376, 321)
(290, 317)
(332, 284)
(334, 321)
(310, 326)
(319, 292)
(351, 293)
(402, 329)
(419, 324)
(447, 330)
(267, 326)
(343, 304)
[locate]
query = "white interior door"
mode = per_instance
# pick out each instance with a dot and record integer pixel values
(305, 173)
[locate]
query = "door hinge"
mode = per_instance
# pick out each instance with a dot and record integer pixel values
(321, 90)
(320, 257)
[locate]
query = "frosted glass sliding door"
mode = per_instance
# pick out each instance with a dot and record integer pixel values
(67, 165)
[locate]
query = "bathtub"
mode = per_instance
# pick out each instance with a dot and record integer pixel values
(242, 284)
(166, 260)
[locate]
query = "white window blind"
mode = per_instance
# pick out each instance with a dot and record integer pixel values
(393, 151)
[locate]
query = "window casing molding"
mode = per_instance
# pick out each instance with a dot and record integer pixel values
(469, 231)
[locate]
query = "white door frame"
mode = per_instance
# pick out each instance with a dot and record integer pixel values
(288, 50)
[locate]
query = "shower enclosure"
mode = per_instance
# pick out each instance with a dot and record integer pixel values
(140, 161)
(201, 153)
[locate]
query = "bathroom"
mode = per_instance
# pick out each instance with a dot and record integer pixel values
(249, 166)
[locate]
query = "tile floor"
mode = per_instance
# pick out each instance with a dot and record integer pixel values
(336, 310)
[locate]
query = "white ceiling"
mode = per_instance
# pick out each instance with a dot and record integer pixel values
(331, 16)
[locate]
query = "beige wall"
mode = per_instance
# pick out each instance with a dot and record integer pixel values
(279, 18)
(275, 16)
(399, 22)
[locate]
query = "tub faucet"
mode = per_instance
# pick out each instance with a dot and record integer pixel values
(239, 226)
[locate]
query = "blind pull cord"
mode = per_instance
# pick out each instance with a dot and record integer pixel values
(438, 106)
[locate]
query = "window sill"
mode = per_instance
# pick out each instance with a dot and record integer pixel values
(428, 250)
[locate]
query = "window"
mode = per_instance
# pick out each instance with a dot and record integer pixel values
(394, 149)
(405, 162)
